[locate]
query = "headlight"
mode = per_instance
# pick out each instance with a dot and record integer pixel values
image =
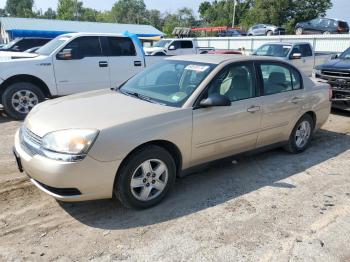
(69, 145)
(316, 72)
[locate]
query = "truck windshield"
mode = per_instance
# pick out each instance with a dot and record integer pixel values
(162, 43)
(273, 50)
(345, 54)
(10, 45)
(169, 83)
(52, 45)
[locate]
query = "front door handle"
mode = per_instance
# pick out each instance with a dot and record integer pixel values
(253, 109)
(137, 63)
(103, 64)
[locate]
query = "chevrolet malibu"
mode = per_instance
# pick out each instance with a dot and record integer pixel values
(133, 141)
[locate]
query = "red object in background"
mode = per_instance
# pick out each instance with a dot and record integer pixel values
(212, 29)
(227, 52)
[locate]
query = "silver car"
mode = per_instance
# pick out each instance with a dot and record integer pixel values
(266, 29)
(134, 140)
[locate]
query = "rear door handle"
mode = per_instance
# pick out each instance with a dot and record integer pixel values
(253, 109)
(103, 64)
(296, 100)
(137, 63)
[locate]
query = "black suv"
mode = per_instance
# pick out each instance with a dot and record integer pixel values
(322, 26)
(25, 43)
(337, 73)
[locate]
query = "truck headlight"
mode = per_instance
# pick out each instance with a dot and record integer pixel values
(316, 72)
(69, 145)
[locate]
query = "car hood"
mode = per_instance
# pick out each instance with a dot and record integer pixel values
(94, 110)
(17, 54)
(152, 49)
(343, 64)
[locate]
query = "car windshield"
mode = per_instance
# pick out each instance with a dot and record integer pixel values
(345, 54)
(273, 50)
(169, 83)
(162, 43)
(52, 45)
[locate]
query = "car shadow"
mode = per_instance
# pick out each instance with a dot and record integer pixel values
(222, 182)
(3, 117)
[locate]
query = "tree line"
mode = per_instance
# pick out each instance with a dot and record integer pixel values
(211, 13)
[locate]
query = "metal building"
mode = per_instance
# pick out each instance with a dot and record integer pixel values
(30, 27)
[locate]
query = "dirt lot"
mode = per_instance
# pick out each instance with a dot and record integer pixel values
(270, 207)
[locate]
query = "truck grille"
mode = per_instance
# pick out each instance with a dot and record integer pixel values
(31, 142)
(336, 74)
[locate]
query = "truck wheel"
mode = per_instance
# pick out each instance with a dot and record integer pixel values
(269, 33)
(19, 98)
(146, 178)
(159, 54)
(301, 135)
(299, 31)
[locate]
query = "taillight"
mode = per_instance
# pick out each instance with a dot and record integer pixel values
(330, 93)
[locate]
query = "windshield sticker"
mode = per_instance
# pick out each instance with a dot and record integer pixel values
(197, 68)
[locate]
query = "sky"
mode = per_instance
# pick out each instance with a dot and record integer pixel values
(340, 8)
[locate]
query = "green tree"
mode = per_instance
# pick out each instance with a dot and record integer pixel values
(129, 11)
(69, 9)
(154, 18)
(183, 17)
(20, 8)
(49, 14)
(3, 12)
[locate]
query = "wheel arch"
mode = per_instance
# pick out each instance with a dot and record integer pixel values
(26, 78)
(313, 116)
(167, 145)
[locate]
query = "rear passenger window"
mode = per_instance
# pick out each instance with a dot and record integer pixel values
(279, 79)
(186, 44)
(121, 46)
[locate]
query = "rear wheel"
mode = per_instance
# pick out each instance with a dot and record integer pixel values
(19, 98)
(146, 177)
(301, 135)
(299, 31)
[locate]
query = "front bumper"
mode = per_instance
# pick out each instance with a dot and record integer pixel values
(88, 179)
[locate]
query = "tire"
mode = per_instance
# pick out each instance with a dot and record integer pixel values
(299, 31)
(296, 144)
(269, 33)
(141, 168)
(326, 33)
(159, 54)
(19, 98)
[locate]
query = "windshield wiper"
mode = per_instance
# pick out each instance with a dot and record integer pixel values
(139, 96)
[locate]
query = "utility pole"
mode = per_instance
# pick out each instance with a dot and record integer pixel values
(234, 13)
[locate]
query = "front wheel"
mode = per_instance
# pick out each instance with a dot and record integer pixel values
(146, 177)
(301, 135)
(19, 98)
(269, 33)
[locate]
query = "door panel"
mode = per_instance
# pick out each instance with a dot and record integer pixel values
(223, 131)
(124, 61)
(83, 72)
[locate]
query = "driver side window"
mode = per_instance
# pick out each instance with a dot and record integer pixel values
(236, 82)
(87, 46)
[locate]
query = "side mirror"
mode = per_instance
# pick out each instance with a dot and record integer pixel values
(334, 56)
(65, 54)
(15, 48)
(215, 100)
(295, 56)
(172, 47)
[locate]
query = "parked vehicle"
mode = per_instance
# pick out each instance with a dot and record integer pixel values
(337, 73)
(225, 51)
(189, 110)
(69, 64)
(300, 54)
(171, 47)
(266, 29)
(322, 26)
(23, 44)
(232, 33)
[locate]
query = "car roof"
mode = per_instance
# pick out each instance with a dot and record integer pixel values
(220, 58)
(287, 43)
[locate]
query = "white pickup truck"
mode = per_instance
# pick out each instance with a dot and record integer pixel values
(300, 54)
(179, 46)
(68, 64)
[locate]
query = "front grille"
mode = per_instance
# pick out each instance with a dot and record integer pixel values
(336, 73)
(31, 142)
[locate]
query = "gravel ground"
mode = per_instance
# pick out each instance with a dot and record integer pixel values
(268, 207)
